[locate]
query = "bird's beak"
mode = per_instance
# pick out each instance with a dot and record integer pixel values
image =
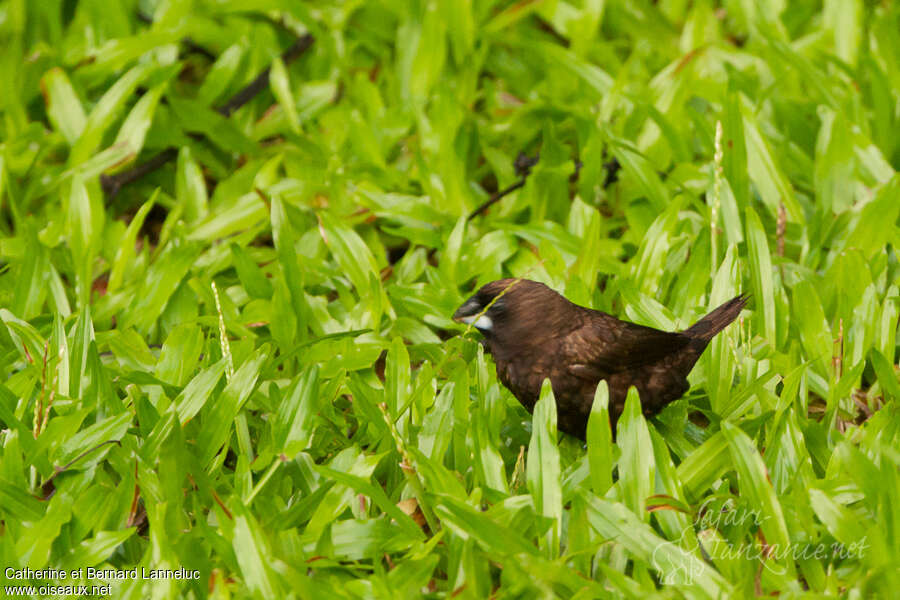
(471, 313)
(467, 312)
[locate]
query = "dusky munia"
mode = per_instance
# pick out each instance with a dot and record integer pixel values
(534, 333)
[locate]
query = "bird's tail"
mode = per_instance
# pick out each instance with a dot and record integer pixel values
(717, 320)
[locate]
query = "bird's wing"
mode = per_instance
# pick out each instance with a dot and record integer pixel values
(604, 345)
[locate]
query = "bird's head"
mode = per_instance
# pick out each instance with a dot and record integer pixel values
(516, 310)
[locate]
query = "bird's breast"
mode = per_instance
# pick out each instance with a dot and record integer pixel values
(524, 372)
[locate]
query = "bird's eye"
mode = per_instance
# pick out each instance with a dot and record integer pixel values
(487, 300)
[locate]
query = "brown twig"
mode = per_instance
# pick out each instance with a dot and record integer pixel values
(113, 183)
(48, 488)
(39, 406)
(262, 80)
(496, 197)
(837, 355)
(523, 165)
(133, 517)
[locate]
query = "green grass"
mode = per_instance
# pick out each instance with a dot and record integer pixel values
(243, 362)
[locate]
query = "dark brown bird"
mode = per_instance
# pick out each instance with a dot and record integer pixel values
(535, 334)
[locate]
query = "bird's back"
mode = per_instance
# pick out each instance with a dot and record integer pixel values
(625, 354)
(534, 333)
